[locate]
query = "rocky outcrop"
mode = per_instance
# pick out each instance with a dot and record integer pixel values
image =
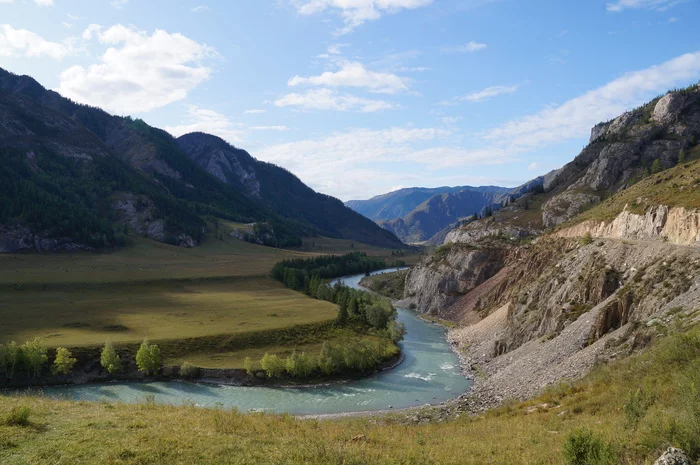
(141, 216)
(21, 238)
(673, 456)
(677, 225)
(565, 206)
(475, 232)
(441, 279)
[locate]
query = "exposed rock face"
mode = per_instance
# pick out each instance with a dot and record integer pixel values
(440, 280)
(669, 107)
(563, 207)
(228, 164)
(676, 225)
(19, 238)
(140, 215)
(474, 232)
(673, 456)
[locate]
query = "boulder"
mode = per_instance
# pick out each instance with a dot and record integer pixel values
(673, 456)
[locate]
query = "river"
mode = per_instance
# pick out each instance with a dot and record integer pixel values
(429, 374)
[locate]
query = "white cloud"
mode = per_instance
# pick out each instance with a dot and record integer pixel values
(269, 128)
(24, 43)
(119, 4)
(354, 74)
(488, 93)
(254, 111)
(532, 166)
(328, 99)
(73, 17)
(211, 122)
(575, 118)
(338, 164)
(660, 5)
(44, 2)
(139, 72)
(200, 9)
(469, 47)
(357, 12)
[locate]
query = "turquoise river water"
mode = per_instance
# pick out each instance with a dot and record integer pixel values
(429, 374)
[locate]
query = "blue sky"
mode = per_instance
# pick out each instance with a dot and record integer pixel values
(360, 97)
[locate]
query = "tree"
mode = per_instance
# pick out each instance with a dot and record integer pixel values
(13, 358)
(299, 365)
(35, 357)
(63, 364)
(250, 366)
(148, 358)
(273, 365)
(681, 157)
(396, 331)
(342, 318)
(656, 167)
(109, 359)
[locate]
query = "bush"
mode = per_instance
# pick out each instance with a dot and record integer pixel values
(582, 447)
(35, 357)
(636, 406)
(273, 365)
(299, 365)
(18, 416)
(250, 366)
(63, 364)
(587, 239)
(148, 358)
(189, 371)
(109, 359)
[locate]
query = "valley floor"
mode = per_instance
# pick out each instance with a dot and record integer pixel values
(624, 423)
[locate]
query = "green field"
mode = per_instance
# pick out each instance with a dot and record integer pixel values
(215, 304)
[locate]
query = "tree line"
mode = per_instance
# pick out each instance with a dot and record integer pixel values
(32, 358)
(355, 356)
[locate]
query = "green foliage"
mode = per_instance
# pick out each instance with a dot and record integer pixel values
(682, 155)
(148, 358)
(324, 267)
(583, 447)
(250, 366)
(300, 365)
(587, 239)
(64, 362)
(273, 365)
(109, 359)
(189, 371)
(18, 416)
(636, 407)
(379, 313)
(34, 356)
(12, 359)
(396, 331)
(656, 167)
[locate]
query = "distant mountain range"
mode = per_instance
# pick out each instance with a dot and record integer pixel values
(416, 214)
(74, 176)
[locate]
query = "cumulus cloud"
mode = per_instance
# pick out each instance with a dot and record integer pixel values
(138, 72)
(203, 120)
(354, 74)
(338, 164)
(357, 12)
(575, 118)
(328, 99)
(24, 43)
(660, 5)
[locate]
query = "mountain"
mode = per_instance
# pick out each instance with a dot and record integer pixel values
(75, 176)
(400, 203)
(281, 191)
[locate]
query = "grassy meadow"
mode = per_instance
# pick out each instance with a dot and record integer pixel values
(215, 302)
(614, 421)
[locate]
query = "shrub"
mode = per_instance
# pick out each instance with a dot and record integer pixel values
(582, 447)
(109, 359)
(396, 331)
(18, 416)
(273, 365)
(636, 406)
(189, 371)
(656, 167)
(148, 358)
(63, 364)
(299, 365)
(330, 360)
(587, 239)
(250, 366)
(35, 357)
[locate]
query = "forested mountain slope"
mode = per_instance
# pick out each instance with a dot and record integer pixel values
(80, 177)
